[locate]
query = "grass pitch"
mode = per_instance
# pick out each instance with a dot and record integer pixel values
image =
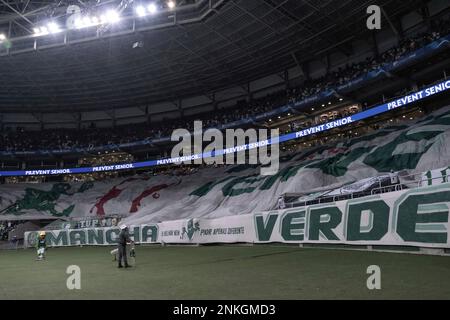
(223, 272)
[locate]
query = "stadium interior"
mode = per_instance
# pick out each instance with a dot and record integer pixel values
(91, 93)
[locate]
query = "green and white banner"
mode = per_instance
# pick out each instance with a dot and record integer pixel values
(226, 191)
(418, 217)
(92, 236)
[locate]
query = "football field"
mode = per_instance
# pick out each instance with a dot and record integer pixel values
(223, 272)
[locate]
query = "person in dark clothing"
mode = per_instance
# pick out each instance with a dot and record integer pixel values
(124, 238)
(41, 245)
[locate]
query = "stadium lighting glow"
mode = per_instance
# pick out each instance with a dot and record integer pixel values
(2, 37)
(79, 23)
(86, 21)
(140, 10)
(152, 8)
(44, 30)
(171, 4)
(112, 16)
(53, 27)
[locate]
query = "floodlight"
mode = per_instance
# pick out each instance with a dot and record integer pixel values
(44, 30)
(112, 16)
(53, 27)
(140, 10)
(171, 4)
(95, 20)
(152, 8)
(79, 23)
(2, 37)
(86, 22)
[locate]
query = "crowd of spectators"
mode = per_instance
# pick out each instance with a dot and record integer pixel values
(5, 228)
(352, 71)
(61, 139)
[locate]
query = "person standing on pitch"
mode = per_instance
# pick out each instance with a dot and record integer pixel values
(41, 246)
(124, 238)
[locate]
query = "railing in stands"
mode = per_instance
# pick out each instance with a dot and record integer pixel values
(359, 194)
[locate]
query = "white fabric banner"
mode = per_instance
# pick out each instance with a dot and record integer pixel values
(418, 217)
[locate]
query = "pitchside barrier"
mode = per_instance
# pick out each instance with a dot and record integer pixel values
(417, 217)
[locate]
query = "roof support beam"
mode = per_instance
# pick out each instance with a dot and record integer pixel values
(397, 30)
(17, 12)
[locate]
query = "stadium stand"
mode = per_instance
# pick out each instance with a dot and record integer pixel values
(89, 138)
(330, 129)
(8, 227)
(357, 165)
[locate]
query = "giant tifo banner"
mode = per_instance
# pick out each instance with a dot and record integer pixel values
(418, 217)
(211, 193)
(398, 103)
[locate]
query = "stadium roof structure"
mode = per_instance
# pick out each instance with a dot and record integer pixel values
(196, 48)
